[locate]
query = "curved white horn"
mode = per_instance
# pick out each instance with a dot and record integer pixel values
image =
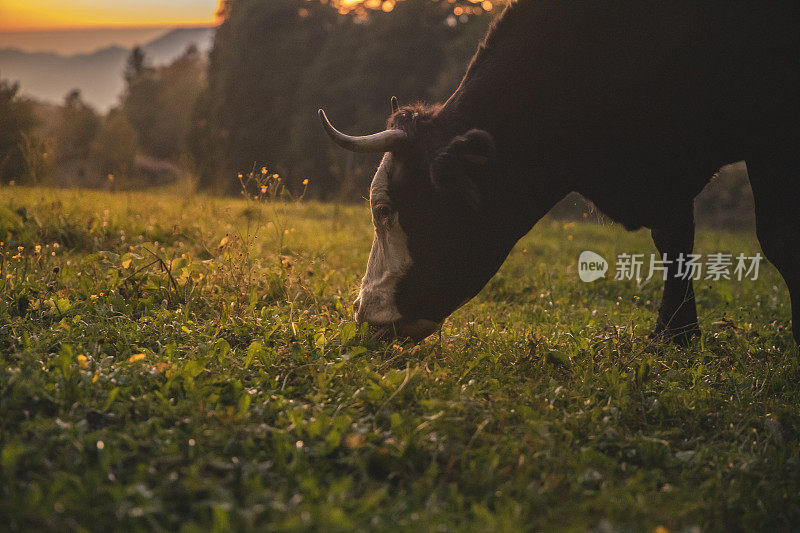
(384, 141)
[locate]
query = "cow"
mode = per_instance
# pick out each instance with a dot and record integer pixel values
(633, 104)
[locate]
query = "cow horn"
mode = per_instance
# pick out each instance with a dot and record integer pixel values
(395, 104)
(384, 141)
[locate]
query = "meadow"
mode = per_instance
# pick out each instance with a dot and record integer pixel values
(170, 361)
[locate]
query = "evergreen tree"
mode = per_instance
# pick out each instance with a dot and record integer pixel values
(135, 66)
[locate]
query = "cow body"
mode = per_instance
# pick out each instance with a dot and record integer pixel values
(635, 105)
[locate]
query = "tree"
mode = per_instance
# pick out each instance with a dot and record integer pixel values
(17, 124)
(141, 99)
(159, 104)
(257, 63)
(135, 66)
(114, 149)
(75, 129)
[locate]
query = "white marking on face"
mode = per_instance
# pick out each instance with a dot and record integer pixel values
(389, 258)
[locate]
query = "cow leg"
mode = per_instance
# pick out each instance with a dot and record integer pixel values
(776, 190)
(677, 314)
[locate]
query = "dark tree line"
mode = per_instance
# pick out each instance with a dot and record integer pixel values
(253, 102)
(275, 62)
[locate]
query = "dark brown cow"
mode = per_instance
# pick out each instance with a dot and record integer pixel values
(633, 104)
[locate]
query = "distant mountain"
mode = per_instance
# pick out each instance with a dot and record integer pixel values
(49, 77)
(169, 46)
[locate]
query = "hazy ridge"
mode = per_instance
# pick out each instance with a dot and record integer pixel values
(48, 76)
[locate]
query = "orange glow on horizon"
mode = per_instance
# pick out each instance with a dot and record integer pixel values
(35, 15)
(362, 6)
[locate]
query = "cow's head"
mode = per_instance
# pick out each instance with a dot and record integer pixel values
(437, 241)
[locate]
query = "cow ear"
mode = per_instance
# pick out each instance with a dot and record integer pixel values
(459, 170)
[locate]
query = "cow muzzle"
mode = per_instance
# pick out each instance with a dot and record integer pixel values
(400, 328)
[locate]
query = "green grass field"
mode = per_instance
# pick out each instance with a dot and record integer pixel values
(177, 362)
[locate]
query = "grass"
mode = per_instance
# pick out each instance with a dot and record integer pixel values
(187, 363)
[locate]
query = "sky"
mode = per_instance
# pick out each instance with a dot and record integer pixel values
(36, 15)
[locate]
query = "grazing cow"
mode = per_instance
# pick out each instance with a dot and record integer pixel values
(633, 104)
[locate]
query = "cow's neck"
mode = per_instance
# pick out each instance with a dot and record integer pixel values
(491, 97)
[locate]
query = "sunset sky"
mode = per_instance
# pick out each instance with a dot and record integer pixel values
(27, 15)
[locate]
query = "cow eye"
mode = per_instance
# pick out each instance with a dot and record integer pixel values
(382, 213)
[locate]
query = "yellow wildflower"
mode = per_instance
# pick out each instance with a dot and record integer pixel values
(83, 361)
(263, 170)
(305, 181)
(37, 248)
(136, 357)
(263, 189)
(111, 177)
